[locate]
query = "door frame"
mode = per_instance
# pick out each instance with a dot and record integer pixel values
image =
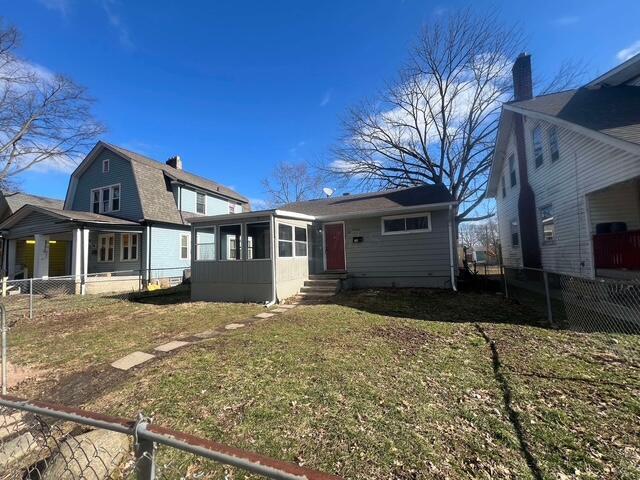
(324, 245)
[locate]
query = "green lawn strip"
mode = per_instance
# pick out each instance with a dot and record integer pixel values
(579, 399)
(341, 390)
(78, 338)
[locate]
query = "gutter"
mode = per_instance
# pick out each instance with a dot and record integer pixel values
(274, 290)
(452, 265)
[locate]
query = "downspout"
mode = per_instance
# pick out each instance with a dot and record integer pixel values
(451, 262)
(274, 290)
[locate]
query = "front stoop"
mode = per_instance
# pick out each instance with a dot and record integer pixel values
(319, 288)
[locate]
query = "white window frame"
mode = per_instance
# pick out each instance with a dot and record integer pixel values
(106, 165)
(514, 222)
(205, 203)
(292, 241)
(406, 232)
(553, 222)
(504, 187)
(113, 256)
(180, 246)
(228, 244)
(196, 244)
(537, 134)
(246, 231)
(101, 198)
(130, 235)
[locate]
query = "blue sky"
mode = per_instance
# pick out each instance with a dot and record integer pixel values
(235, 86)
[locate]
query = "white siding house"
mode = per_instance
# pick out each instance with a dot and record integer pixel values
(584, 171)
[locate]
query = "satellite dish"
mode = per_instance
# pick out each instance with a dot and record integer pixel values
(328, 191)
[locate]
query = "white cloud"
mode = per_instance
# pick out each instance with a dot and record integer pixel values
(326, 98)
(626, 53)
(116, 22)
(60, 6)
(55, 165)
(565, 21)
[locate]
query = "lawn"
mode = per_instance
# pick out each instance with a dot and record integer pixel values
(389, 384)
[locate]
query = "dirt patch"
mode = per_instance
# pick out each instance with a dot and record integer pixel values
(410, 340)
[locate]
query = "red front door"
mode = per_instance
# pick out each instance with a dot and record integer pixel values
(334, 246)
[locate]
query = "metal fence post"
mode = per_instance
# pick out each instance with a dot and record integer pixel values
(547, 295)
(31, 299)
(145, 451)
(3, 325)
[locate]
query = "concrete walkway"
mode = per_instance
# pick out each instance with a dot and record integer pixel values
(138, 358)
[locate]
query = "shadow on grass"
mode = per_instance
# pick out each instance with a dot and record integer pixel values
(165, 296)
(514, 417)
(440, 305)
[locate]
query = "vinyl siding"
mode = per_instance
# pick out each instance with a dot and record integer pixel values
(40, 223)
(214, 205)
(117, 265)
(585, 166)
(165, 250)
(120, 172)
(412, 259)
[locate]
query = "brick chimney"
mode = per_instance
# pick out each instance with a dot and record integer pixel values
(175, 162)
(522, 82)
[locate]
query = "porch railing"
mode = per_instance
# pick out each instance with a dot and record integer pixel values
(617, 250)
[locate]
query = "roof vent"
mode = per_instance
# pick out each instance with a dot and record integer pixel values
(345, 194)
(175, 162)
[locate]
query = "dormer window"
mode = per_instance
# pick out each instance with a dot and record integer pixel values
(105, 166)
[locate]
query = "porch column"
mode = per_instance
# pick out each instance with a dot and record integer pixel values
(80, 257)
(11, 259)
(41, 256)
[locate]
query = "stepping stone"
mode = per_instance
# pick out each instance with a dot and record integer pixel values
(167, 347)
(131, 360)
(265, 315)
(233, 326)
(287, 306)
(207, 334)
(279, 310)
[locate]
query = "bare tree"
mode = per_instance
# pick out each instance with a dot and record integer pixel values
(43, 117)
(437, 124)
(292, 182)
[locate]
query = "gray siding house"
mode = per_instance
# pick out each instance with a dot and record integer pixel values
(393, 238)
(123, 212)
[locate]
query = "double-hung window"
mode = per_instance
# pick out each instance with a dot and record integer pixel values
(504, 187)
(201, 203)
(129, 247)
(205, 243)
(399, 224)
(184, 246)
(105, 199)
(106, 247)
(105, 165)
(301, 242)
(512, 170)
(548, 224)
(292, 241)
(538, 153)
(515, 233)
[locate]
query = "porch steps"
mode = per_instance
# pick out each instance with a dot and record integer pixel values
(320, 287)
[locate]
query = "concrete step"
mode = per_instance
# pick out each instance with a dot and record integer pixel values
(320, 289)
(316, 294)
(328, 276)
(322, 283)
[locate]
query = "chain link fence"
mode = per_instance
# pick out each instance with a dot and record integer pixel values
(51, 442)
(28, 298)
(576, 303)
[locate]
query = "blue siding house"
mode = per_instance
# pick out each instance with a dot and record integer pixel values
(124, 213)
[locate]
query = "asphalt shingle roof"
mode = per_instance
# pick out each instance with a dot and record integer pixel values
(378, 201)
(156, 197)
(18, 200)
(613, 111)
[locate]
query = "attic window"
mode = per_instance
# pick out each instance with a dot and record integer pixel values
(201, 206)
(105, 166)
(538, 154)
